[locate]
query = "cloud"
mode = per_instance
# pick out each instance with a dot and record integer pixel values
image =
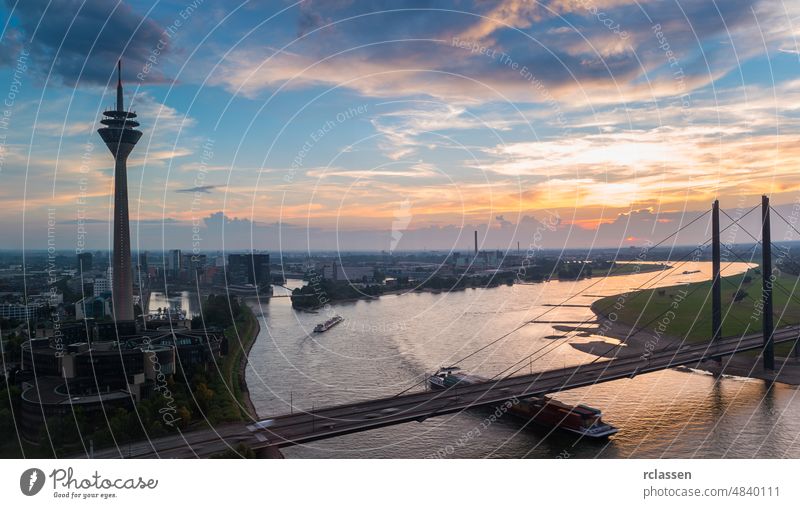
(388, 171)
(403, 129)
(309, 17)
(205, 189)
(414, 53)
(502, 221)
(625, 142)
(83, 39)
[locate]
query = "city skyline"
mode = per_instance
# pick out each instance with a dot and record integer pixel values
(312, 129)
(462, 229)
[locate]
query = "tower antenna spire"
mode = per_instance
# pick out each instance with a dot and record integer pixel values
(119, 85)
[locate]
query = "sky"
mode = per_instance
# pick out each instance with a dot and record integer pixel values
(403, 125)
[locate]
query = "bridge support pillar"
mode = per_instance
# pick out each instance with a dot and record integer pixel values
(766, 293)
(716, 289)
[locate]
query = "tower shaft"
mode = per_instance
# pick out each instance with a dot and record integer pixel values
(122, 289)
(120, 136)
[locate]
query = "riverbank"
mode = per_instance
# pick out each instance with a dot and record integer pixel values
(634, 267)
(617, 322)
(236, 362)
(622, 268)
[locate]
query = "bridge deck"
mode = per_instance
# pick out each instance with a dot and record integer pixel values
(355, 417)
(302, 427)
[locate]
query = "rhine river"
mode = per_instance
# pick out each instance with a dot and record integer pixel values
(387, 344)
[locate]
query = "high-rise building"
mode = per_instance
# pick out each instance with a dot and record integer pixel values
(195, 264)
(84, 262)
(249, 269)
(120, 136)
(143, 261)
(141, 268)
(174, 263)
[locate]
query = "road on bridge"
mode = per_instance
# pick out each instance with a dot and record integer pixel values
(304, 426)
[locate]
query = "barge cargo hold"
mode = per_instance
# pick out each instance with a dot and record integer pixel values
(580, 419)
(327, 325)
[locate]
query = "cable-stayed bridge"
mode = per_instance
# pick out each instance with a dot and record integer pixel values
(270, 434)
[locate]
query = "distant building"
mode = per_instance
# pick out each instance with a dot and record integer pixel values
(45, 299)
(353, 273)
(142, 261)
(249, 269)
(93, 307)
(103, 285)
(84, 262)
(194, 265)
(19, 311)
(174, 263)
(141, 273)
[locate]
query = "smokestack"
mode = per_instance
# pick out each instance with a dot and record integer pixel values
(476, 241)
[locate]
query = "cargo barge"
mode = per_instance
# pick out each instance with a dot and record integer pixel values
(580, 419)
(327, 325)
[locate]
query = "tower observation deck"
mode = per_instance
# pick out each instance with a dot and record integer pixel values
(120, 136)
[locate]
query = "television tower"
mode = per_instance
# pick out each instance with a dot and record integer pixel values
(120, 136)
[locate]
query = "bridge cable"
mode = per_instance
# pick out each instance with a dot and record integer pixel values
(775, 282)
(784, 219)
(644, 326)
(522, 325)
(631, 333)
(550, 309)
(663, 274)
(639, 292)
(586, 321)
(747, 325)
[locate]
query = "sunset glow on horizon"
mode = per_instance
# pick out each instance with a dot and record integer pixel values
(327, 119)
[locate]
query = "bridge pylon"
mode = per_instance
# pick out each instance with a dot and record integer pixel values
(716, 289)
(766, 285)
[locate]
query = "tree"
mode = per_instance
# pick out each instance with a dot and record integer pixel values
(203, 394)
(219, 311)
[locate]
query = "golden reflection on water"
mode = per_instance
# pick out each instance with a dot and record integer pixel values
(385, 345)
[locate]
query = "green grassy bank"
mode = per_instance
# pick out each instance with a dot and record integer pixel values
(690, 304)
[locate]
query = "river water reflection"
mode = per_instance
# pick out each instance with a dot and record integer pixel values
(385, 345)
(185, 300)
